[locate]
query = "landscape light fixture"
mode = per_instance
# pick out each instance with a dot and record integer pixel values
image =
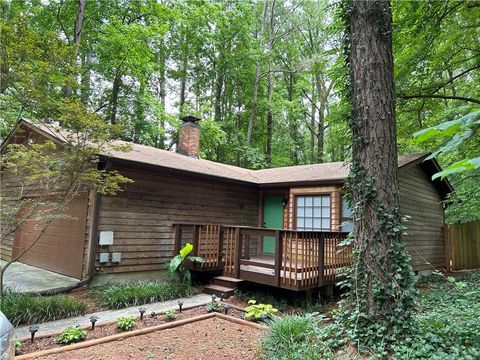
(180, 305)
(93, 319)
(153, 314)
(226, 307)
(214, 297)
(142, 311)
(33, 329)
(264, 317)
(222, 296)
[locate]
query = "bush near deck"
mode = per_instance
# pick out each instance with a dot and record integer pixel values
(447, 327)
(21, 308)
(121, 295)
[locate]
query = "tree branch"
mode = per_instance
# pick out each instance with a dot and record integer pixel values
(445, 97)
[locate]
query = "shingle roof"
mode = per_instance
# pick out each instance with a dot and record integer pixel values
(326, 172)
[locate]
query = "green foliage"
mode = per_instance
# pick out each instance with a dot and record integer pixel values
(214, 306)
(296, 337)
(22, 308)
(177, 264)
(265, 297)
(256, 311)
(455, 132)
(170, 314)
(71, 335)
(126, 323)
(125, 294)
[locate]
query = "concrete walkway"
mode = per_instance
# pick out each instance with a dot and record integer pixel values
(27, 278)
(110, 315)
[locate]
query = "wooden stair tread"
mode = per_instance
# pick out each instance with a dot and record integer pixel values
(228, 279)
(218, 288)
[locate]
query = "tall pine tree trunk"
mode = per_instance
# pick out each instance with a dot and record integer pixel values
(381, 272)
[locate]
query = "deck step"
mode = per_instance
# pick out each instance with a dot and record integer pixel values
(219, 290)
(227, 281)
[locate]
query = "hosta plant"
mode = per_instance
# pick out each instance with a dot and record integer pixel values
(126, 323)
(71, 335)
(257, 312)
(170, 314)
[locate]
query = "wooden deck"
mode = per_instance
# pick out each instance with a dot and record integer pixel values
(302, 260)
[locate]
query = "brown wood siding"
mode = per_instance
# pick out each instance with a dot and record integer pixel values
(142, 215)
(420, 200)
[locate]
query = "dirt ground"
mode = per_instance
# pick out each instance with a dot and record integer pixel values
(207, 339)
(107, 330)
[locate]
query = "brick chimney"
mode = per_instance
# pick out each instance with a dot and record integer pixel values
(189, 137)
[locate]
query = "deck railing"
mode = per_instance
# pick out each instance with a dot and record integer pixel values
(301, 259)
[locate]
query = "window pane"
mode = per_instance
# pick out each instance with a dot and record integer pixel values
(317, 201)
(325, 212)
(316, 212)
(308, 223)
(301, 211)
(347, 226)
(326, 200)
(300, 223)
(300, 201)
(346, 211)
(308, 201)
(317, 224)
(308, 212)
(326, 224)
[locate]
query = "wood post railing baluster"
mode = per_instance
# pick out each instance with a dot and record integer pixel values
(238, 251)
(321, 259)
(278, 258)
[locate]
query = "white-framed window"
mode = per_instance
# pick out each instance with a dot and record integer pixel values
(313, 212)
(347, 217)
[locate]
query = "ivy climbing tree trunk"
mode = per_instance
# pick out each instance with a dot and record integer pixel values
(382, 280)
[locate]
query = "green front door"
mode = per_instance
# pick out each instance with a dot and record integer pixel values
(273, 219)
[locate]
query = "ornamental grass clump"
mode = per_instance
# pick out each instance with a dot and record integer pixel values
(120, 295)
(24, 308)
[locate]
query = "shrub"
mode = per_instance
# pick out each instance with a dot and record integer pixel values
(22, 308)
(295, 337)
(71, 335)
(121, 295)
(214, 306)
(126, 323)
(256, 311)
(170, 314)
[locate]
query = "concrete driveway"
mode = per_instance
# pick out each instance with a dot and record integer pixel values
(27, 278)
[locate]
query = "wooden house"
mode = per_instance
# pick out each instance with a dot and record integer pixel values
(282, 227)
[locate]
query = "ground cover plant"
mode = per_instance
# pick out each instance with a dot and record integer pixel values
(71, 335)
(170, 314)
(21, 308)
(126, 323)
(120, 295)
(446, 327)
(257, 312)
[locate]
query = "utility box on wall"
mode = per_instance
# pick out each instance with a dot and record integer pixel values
(104, 258)
(116, 257)
(106, 238)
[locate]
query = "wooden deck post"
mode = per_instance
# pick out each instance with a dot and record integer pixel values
(321, 259)
(178, 239)
(220, 246)
(278, 258)
(195, 240)
(238, 252)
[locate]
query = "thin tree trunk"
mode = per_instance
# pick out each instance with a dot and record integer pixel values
(117, 82)
(312, 125)
(85, 80)
(162, 93)
(77, 35)
(253, 113)
(183, 82)
(270, 87)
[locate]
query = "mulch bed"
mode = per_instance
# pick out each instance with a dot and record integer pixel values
(213, 338)
(111, 329)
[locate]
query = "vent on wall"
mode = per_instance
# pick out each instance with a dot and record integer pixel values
(106, 238)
